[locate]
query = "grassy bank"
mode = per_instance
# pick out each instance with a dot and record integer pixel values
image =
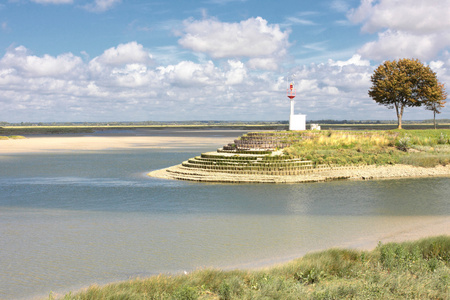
(410, 270)
(11, 137)
(426, 148)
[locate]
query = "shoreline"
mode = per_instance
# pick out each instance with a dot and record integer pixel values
(372, 172)
(61, 144)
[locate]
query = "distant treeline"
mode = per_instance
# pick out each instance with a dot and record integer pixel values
(218, 123)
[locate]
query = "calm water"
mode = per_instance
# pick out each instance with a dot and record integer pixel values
(72, 219)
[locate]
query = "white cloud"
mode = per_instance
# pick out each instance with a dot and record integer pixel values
(125, 54)
(395, 45)
(125, 84)
(417, 29)
(250, 38)
(339, 5)
(27, 65)
(295, 20)
(236, 74)
(263, 63)
(419, 16)
(188, 73)
(101, 5)
(354, 60)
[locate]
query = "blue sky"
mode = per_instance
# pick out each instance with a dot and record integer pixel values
(118, 60)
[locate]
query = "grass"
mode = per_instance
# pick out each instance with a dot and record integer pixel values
(426, 148)
(410, 270)
(12, 137)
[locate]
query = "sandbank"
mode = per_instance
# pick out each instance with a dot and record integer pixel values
(96, 143)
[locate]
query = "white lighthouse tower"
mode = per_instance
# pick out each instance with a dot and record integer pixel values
(296, 122)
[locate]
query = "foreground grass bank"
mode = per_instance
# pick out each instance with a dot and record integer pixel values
(424, 148)
(410, 270)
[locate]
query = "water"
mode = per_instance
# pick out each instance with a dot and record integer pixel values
(69, 220)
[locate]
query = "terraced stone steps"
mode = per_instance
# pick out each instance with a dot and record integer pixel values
(252, 155)
(268, 141)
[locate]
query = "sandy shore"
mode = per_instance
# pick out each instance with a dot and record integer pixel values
(97, 143)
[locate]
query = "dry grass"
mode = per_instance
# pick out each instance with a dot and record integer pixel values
(411, 270)
(374, 147)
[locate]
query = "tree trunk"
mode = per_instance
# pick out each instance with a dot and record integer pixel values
(434, 118)
(399, 115)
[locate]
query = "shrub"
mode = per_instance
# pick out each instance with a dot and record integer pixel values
(404, 143)
(443, 139)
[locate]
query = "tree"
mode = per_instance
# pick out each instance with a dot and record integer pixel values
(435, 106)
(406, 83)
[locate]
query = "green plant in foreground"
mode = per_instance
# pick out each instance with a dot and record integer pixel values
(414, 270)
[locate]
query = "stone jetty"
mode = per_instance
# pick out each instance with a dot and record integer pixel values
(253, 157)
(258, 158)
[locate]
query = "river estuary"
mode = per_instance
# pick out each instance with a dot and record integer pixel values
(71, 219)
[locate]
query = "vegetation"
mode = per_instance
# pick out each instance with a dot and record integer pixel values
(410, 270)
(426, 148)
(12, 137)
(75, 129)
(407, 83)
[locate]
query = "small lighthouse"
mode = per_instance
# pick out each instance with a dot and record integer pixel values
(296, 122)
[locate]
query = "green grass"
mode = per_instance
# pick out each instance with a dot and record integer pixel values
(12, 137)
(426, 148)
(410, 270)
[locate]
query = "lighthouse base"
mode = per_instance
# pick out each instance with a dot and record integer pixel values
(297, 122)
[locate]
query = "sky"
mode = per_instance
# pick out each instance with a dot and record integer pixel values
(182, 60)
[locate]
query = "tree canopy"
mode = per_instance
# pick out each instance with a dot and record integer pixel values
(406, 83)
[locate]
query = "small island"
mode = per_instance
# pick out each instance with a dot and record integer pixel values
(314, 156)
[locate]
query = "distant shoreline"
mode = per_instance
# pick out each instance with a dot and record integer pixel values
(125, 129)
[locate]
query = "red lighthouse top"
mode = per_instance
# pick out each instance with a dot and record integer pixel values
(291, 91)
